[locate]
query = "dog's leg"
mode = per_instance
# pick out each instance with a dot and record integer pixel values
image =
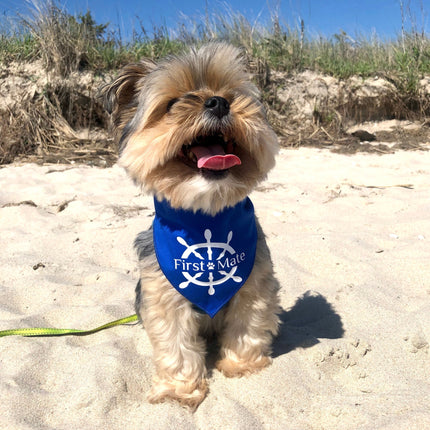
(179, 351)
(250, 323)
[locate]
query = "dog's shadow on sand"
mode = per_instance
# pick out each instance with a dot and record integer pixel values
(311, 318)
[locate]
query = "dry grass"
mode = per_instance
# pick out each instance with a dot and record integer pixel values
(65, 43)
(47, 123)
(51, 121)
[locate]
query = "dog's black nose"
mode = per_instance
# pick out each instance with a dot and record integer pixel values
(218, 106)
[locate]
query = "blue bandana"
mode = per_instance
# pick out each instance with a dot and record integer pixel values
(206, 258)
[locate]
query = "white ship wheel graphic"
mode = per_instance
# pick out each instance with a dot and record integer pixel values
(211, 282)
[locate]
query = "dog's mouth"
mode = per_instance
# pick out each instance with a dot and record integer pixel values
(213, 153)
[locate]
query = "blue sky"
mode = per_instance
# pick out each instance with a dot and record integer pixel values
(325, 17)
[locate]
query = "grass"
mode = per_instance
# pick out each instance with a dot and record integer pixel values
(67, 44)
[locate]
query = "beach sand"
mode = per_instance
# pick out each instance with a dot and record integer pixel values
(350, 241)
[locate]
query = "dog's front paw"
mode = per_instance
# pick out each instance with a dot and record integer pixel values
(236, 367)
(188, 394)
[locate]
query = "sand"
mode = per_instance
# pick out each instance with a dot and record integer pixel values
(350, 240)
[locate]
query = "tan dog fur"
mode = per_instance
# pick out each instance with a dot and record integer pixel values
(157, 109)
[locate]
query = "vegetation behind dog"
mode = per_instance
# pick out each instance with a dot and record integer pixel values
(61, 118)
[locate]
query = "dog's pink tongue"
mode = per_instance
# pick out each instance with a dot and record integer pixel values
(213, 157)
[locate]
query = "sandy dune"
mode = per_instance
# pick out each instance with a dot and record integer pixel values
(350, 239)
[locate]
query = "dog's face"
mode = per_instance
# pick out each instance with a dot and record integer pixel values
(191, 129)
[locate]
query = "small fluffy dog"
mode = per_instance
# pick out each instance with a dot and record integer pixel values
(193, 133)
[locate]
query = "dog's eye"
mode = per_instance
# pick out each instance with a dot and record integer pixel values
(170, 104)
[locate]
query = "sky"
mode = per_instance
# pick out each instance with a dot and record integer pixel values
(321, 17)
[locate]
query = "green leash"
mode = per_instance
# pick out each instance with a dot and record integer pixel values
(65, 331)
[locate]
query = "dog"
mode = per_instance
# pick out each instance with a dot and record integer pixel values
(193, 132)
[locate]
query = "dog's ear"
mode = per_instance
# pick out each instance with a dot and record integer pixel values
(120, 97)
